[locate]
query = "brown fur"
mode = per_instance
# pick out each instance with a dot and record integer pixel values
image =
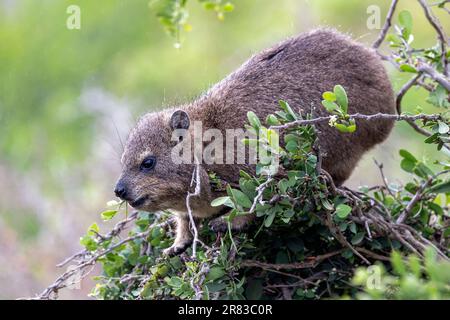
(297, 70)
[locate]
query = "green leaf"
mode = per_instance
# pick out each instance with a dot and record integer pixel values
(330, 106)
(272, 120)
(329, 96)
(393, 39)
(406, 22)
(93, 229)
(345, 129)
(108, 214)
(433, 138)
(407, 155)
(408, 68)
(222, 201)
(269, 219)
(291, 146)
(357, 238)
(414, 265)
(341, 97)
(254, 290)
(443, 127)
(343, 226)
(241, 198)
(351, 128)
(253, 120)
(88, 243)
(439, 97)
(216, 287)
(215, 273)
(408, 165)
(228, 7)
(343, 210)
(283, 186)
(443, 187)
(397, 263)
(347, 253)
(285, 106)
(248, 187)
(422, 170)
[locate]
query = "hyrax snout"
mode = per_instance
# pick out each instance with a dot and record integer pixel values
(298, 71)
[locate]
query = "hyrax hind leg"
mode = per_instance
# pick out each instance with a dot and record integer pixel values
(183, 238)
(239, 223)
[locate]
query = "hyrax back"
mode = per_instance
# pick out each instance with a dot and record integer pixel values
(298, 71)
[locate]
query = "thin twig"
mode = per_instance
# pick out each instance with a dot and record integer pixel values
(260, 191)
(89, 259)
(386, 26)
(435, 75)
(367, 117)
(441, 34)
(418, 196)
(196, 193)
(121, 225)
(405, 88)
(311, 262)
(385, 182)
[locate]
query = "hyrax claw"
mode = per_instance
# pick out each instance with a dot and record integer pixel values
(176, 250)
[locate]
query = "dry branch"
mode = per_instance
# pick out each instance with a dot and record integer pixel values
(386, 26)
(365, 117)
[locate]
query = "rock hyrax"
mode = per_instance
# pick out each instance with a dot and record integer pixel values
(297, 70)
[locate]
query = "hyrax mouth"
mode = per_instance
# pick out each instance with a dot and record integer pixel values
(140, 201)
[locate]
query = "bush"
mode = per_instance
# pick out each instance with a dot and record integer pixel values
(411, 279)
(309, 238)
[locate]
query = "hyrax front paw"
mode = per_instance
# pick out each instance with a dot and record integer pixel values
(218, 225)
(176, 249)
(239, 223)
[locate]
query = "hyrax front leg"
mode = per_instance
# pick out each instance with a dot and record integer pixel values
(239, 223)
(183, 238)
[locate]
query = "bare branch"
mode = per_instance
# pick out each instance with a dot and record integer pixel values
(405, 88)
(376, 116)
(386, 26)
(121, 225)
(310, 263)
(418, 196)
(196, 193)
(89, 259)
(438, 77)
(385, 182)
(260, 191)
(398, 101)
(441, 34)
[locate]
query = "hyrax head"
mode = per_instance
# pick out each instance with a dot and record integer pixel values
(151, 179)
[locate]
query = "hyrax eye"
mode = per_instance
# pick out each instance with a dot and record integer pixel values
(148, 164)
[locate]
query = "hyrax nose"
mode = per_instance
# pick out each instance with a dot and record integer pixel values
(121, 191)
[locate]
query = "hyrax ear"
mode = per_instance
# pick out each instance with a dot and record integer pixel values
(179, 120)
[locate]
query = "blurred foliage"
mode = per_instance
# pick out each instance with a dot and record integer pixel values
(173, 14)
(411, 279)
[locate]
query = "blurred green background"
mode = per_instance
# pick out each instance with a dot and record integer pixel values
(68, 98)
